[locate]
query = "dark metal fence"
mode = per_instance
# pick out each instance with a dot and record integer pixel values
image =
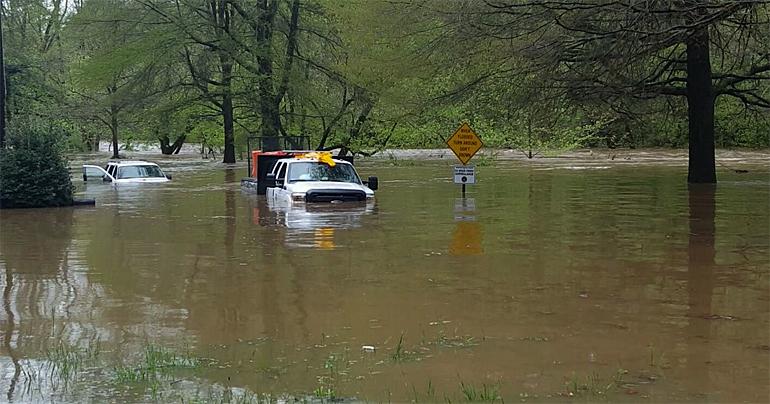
(276, 143)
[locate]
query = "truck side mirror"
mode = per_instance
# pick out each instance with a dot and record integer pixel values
(270, 180)
(373, 183)
(168, 176)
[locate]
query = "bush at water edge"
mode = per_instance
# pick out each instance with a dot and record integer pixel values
(33, 171)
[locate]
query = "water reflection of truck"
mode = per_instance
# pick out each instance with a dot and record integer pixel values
(311, 225)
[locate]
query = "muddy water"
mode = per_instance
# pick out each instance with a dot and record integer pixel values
(547, 277)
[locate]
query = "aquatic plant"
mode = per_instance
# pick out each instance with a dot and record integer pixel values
(486, 393)
(400, 354)
(66, 361)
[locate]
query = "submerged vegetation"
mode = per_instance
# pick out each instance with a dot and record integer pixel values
(163, 374)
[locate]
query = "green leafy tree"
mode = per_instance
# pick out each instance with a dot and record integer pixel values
(122, 64)
(33, 58)
(607, 52)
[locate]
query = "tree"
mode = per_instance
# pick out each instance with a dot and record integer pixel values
(203, 28)
(33, 58)
(610, 51)
(358, 81)
(272, 74)
(2, 82)
(123, 62)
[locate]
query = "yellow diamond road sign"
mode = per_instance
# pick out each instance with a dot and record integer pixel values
(464, 143)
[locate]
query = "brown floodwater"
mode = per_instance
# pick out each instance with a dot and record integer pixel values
(549, 280)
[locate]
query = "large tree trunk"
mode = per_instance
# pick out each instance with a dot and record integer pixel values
(271, 121)
(114, 130)
(2, 86)
(227, 111)
(700, 101)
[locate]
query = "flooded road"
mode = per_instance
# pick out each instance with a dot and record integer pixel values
(549, 282)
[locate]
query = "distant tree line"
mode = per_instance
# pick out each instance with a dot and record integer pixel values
(362, 75)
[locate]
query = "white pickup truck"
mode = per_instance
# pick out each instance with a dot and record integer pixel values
(316, 177)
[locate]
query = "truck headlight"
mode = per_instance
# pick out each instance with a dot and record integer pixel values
(298, 196)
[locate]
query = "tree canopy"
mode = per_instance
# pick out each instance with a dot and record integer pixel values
(362, 75)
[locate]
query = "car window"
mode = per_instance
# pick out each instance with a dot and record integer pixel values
(313, 171)
(93, 172)
(282, 171)
(111, 170)
(146, 171)
(276, 167)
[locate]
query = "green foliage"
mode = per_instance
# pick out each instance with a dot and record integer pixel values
(388, 75)
(737, 126)
(33, 171)
(33, 60)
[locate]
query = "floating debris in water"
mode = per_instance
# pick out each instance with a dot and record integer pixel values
(368, 348)
(716, 317)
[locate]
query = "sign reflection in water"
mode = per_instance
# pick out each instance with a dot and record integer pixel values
(468, 234)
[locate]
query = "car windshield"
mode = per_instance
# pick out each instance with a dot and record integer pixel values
(313, 171)
(148, 171)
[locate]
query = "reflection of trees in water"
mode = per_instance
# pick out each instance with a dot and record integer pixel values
(700, 279)
(229, 212)
(9, 330)
(196, 271)
(41, 293)
(34, 241)
(34, 252)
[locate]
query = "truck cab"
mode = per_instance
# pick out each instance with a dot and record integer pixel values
(316, 177)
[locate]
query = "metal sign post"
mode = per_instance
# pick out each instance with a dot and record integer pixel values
(465, 175)
(464, 143)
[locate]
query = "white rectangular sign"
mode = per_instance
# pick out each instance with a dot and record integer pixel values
(465, 175)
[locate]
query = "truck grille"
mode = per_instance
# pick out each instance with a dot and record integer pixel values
(329, 195)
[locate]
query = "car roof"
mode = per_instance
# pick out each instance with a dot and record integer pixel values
(131, 163)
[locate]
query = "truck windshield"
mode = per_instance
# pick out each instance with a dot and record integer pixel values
(139, 172)
(313, 171)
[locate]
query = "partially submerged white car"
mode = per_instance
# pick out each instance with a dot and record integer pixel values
(126, 172)
(317, 178)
